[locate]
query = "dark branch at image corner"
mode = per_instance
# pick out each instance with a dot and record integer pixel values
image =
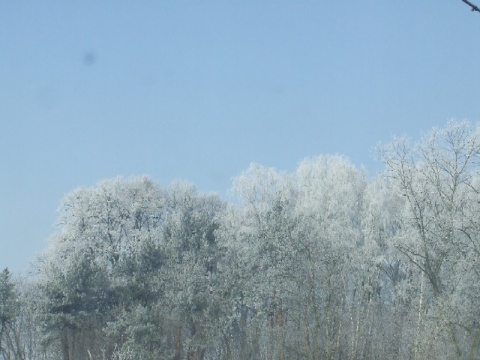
(473, 6)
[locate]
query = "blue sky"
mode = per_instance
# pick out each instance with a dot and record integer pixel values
(198, 90)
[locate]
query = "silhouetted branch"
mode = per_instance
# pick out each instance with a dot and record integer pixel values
(473, 6)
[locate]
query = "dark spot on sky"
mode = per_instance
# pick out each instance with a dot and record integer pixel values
(89, 58)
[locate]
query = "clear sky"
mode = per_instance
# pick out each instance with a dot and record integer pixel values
(198, 90)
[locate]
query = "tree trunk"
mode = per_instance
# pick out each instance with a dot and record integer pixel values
(178, 343)
(280, 327)
(308, 352)
(65, 347)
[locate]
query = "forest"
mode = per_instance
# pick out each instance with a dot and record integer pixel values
(324, 262)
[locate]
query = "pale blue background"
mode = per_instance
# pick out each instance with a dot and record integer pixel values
(197, 90)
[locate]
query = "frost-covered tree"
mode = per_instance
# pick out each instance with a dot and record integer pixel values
(131, 268)
(109, 220)
(383, 228)
(83, 285)
(19, 330)
(292, 241)
(330, 191)
(439, 179)
(8, 313)
(74, 307)
(268, 252)
(191, 273)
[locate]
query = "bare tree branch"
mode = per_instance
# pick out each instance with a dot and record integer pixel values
(473, 6)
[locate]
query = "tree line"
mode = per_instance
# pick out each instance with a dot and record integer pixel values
(320, 263)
